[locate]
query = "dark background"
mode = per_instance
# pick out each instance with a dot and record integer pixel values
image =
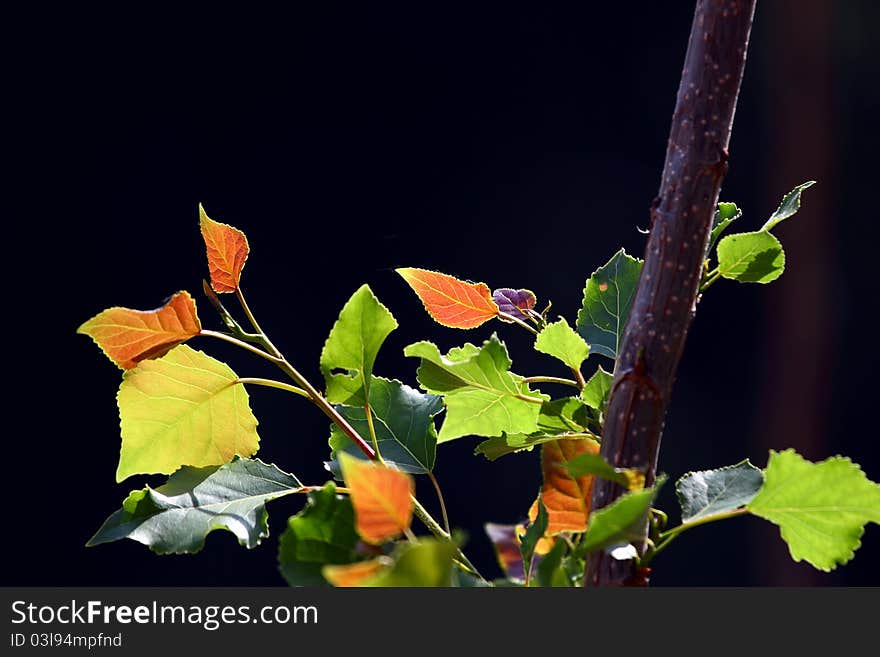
(516, 147)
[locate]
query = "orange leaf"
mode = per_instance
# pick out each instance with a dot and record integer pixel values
(227, 249)
(449, 301)
(130, 336)
(382, 498)
(567, 499)
(354, 574)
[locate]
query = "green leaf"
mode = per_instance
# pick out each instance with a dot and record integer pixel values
(709, 493)
(608, 298)
(176, 517)
(560, 418)
(789, 206)
(322, 533)
(427, 562)
(510, 443)
(354, 341)
(534, 532)
(821, 508)
(595, 393)
(182, 409)
(620, 522)
(725, 215)
(404, 424)
(594, 464)
(751, 257)
(550, 571)
(560, 341)
(482, 396)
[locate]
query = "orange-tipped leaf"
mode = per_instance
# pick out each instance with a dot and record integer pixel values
(227, 249)
(449, 301)
(129, 336)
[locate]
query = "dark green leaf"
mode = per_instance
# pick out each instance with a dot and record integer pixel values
(620, 522)
(711, 492)
(751, 257)
(790, 204)
(725, 215)
(176, 517)
(608, 298)
(403, 420)
(534, 533)
(322, 533)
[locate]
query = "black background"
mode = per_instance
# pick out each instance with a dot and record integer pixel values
(520, 147)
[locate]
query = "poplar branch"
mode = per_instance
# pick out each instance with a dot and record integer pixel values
(666, 297)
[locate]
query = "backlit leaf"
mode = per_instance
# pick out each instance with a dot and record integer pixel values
(322, 533)
(789, 206)
(595, 393)
(712, 492)
(382, 498)
(355, 574)
(352, 346)
(130, 336)
(559, 419)
(620, 522)
(515, 303)
(482, 396)
(725, 214)
(821, 508)
(227, 250)
(182, 409)
(404, 425)
(751, 257)
(560, 341)
(427, 562)
(608, 298)
(177, 516)
(566, 498)
(450, 301)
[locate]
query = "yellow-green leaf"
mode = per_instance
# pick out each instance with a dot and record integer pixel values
(821, 509)
(183, 409)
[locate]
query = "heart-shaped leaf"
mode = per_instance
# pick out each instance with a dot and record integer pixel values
(183, 409)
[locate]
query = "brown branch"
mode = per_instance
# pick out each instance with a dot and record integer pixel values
(681, 216)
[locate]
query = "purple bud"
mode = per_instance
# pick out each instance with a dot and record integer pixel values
(514, 302)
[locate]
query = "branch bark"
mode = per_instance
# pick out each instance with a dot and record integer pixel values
(681, 218)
